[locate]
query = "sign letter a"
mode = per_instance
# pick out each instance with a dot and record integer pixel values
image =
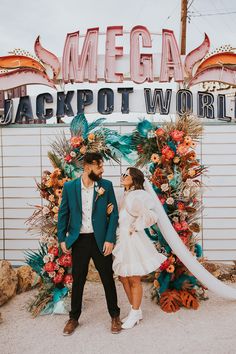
(171, 66)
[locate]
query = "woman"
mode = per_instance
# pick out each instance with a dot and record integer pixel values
(134, 253)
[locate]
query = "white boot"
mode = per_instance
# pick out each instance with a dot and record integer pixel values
(140, 315)
(132, 320)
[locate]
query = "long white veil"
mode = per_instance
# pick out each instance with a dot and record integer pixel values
(181, 251)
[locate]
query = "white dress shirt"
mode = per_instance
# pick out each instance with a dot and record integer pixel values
(87, 206)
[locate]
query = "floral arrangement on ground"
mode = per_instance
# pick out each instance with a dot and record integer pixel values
(168, 151)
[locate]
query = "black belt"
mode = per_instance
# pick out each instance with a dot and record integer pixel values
(87, 234)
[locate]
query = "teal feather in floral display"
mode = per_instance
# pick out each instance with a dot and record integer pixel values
(144, 127)
(95, 124)
(79, 126)
(172, 145)
(35, 259)
(175, 182)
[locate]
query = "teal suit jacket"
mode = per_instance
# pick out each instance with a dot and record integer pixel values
(70, 213)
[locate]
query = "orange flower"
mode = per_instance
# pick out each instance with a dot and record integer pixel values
(191, 172)
(56, 173)
(170, 269)
(170, 177)
(193, 144)
(58, 192)
(76, 141)
(192, 155)
(182, 149)
(49, 183)
(51, 198)
(188, 141)
(156, 284)
(176, 159)
(160, 132)
(55, 209)
(155, 158)
(83, 150)
(91, 137)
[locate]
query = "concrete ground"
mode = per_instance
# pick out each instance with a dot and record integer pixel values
(210, 329)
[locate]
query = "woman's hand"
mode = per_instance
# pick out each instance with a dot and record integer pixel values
(132, 229)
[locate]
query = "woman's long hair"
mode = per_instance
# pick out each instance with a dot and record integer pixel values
(137, 177)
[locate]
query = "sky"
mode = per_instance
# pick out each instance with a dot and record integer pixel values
(22, 21)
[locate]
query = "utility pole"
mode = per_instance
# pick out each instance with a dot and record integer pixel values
(184, 5)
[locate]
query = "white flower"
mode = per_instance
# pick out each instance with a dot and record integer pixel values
(190, 183)
(72, 154)
(170, 200)
(175, 219)
(165, 187)
(186, 192)
(46, 210)
(51, 239)
(51, 256)
(46, 258)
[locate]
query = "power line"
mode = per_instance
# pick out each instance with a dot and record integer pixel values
(193, 14)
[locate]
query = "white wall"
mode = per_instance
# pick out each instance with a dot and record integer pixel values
(23, 157)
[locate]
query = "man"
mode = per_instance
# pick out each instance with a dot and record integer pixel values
(85, 226)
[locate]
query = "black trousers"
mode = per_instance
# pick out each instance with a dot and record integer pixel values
(83, 249)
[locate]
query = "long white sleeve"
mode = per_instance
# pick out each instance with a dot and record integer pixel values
(141, 206)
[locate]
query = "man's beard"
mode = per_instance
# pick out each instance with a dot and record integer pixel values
(94, 177)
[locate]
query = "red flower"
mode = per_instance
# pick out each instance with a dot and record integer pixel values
(184, 225)
(65, 260)
(50, 267)
(68, 279)
(140, 148)
(58, 278)
(162, 200)
(165, 264)
(177, 135)
(180, 206)
(177, 226)
(54, 251)
(167, 152)
(68, 158)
